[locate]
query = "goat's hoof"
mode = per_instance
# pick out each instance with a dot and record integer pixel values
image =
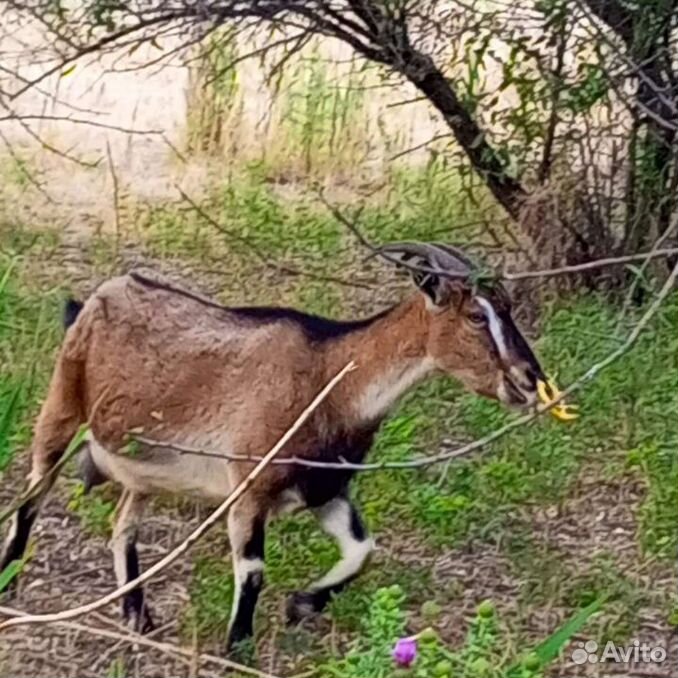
(140, 621)
(300, 605)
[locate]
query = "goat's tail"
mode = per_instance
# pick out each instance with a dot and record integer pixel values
(58, 421)
(72, 308)
(87, 469)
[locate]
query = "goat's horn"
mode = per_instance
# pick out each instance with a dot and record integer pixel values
(438, 256)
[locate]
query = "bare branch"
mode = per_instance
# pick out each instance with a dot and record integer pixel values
(263, 257)
(598, 263)
(137, 639)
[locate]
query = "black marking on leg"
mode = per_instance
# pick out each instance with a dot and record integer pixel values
(254, 548)
(357, 528)
(243, 623)
(302, 604)
(25, 517)
(88, 471)
(133, 604)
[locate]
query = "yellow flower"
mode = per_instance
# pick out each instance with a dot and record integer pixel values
(548, 392)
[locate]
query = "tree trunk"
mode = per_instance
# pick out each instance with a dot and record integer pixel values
(428, 79)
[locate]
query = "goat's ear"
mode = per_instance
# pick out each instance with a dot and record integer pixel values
(440, 292)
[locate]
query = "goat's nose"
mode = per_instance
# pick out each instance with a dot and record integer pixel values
(525, 377)
(531, 377)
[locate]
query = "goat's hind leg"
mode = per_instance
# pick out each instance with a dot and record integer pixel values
(57, 423)
(340, 519)
(126, 560)
(21, 524)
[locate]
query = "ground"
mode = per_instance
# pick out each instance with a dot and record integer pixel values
(542, 524)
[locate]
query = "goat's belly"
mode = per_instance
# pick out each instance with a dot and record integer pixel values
(166, 471)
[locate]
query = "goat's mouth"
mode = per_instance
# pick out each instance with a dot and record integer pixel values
(514, 395)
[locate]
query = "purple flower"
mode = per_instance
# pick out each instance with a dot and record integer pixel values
(405, 652)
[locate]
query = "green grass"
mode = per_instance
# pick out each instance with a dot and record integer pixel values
(623, 420)
(257, 215)
(29, 332)
(94, 510)
(212, 593)
(490, 497)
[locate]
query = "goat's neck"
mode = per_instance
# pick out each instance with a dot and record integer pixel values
(390, 354)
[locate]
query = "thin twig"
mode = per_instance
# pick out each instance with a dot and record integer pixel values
(464, 450)
(282, 268)
(116, 195)
(137, 639)
(506, 275)
(417, 147)
(597, 263)
(641, 271)
(193, 536)
(374, 249)
(79, 121)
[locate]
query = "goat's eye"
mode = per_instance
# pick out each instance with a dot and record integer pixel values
(477, 318)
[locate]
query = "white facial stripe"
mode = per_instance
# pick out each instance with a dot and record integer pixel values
(495, 325)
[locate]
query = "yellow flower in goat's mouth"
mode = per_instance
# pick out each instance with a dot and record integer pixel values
(548, 391)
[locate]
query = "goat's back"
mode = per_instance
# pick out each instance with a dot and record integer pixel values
(173, 362)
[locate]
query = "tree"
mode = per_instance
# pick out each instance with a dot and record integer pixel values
(565, 65)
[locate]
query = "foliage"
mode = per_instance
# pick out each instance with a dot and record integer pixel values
(94, 511)
(27, 331)
(572, 104)
(487, 650)
(212, 593)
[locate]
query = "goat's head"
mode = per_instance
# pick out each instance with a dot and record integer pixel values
(471, 334)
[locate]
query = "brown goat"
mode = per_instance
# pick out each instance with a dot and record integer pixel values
(182, 369)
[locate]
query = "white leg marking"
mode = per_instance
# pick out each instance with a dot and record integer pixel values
(13, 530)
(128, 514)
(242, 568)
(335, 518)
(496, 329)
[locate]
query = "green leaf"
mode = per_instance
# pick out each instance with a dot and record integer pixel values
(7, 418)
(548, 650)
(5, 276)
(11, 571)
(68, 71)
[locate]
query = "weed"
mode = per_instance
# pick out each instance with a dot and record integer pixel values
(624, 434)
(211, 596)
(93, 510)
(29, 330)
(487, 651)
(117, 669)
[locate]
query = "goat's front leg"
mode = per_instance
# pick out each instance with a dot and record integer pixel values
(339, 518)
(246, 529)
(126, 560)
